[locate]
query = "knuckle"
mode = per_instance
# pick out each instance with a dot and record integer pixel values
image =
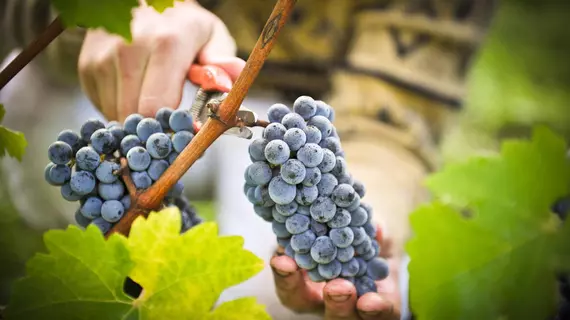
(165, 40)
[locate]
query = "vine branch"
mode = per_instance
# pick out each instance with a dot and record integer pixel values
(31, 51)
(152, 198)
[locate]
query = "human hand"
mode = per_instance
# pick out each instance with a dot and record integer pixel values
(149, 73)
(337, 299)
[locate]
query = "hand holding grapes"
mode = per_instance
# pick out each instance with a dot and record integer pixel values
(337, 299)
(149, 73)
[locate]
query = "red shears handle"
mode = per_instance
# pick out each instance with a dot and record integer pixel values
(210, 78)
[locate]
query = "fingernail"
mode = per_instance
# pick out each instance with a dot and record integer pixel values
(371, 313)
(282, 273)
(339, 298)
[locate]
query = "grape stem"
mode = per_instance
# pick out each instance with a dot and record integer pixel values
(125, 173)
(31, 51)
(226, 118)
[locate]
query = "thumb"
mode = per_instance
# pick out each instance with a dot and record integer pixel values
(220, 50)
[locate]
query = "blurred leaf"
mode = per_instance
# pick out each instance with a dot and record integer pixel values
(12, 142)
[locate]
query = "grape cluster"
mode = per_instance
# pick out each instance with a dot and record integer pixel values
(86, 166)
(298, 181)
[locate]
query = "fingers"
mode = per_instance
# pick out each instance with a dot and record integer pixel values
(292, 286)
(340, 300)
(372, 306)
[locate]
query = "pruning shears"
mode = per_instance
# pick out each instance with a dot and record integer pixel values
(214, 83)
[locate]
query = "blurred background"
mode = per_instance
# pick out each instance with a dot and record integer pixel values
(520, 79)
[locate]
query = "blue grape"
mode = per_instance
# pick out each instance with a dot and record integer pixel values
(126, 201)
(72, 139)
(81, 220)
(276, 112)
(306, 195)
(370, 229)
(60, 152)
(332, 144)
(378, 269)
(305, 106)
(141, 179)
(280, 230)
(157, 168)
(323, 250)
(315, 276)
(111, 191)
(247, 178)
(91, 208)
(339, 167)
(59, 174)
(147, 127)
(82, 182)
(283, 242)
(47, 177)
(323, 109)
(138, 159)
(304, 210)
(369, 255)
(69, 194)
(87, 159)
(260, 173)
(364, 285)
(131, 123)
(129, 142)
(181, 120)
(312, 177)
(89, 127)
(257, 149)
(359, 235)
(274, 131)
(329, 161)
(103, 141)
(350, 268)
(280, 191)
(119, 134)
(341, 219)
(158, 145)
(364, 247)
(359, 188)
(323, 209)
(277, 152)
(345, 254)
(327, 184)
(289, 251)
(112, 210)
(250, 194)
(330, 270)
(112, 124)
(105, 171)
(295, 138)
(277, 216)
(292, 171)
(343, 195)
(319, 229)
(163, 117)
(293, 120)
(288, 209)
(263, 197)
(176, 190)
(313, 134)
(323, 124)
(181, 139)
(303, 242)
(355, 203)
(311, 155)
(362, 266)
(264, 212)
(305, 261)
(102, 224)
(172, 156)
(331, 116)
(341, 237)
(358, 217)
(345, 179)
(297, 223)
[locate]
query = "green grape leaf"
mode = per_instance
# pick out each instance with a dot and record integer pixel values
(113, 15)
(489, 247)
(182, 276)
(161, 5)
(81, 278)
(12, 142)
(195, 267)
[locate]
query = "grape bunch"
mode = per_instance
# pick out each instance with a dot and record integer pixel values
(86, 165)
(298, 180)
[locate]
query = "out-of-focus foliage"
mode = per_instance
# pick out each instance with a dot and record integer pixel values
(520, 79)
